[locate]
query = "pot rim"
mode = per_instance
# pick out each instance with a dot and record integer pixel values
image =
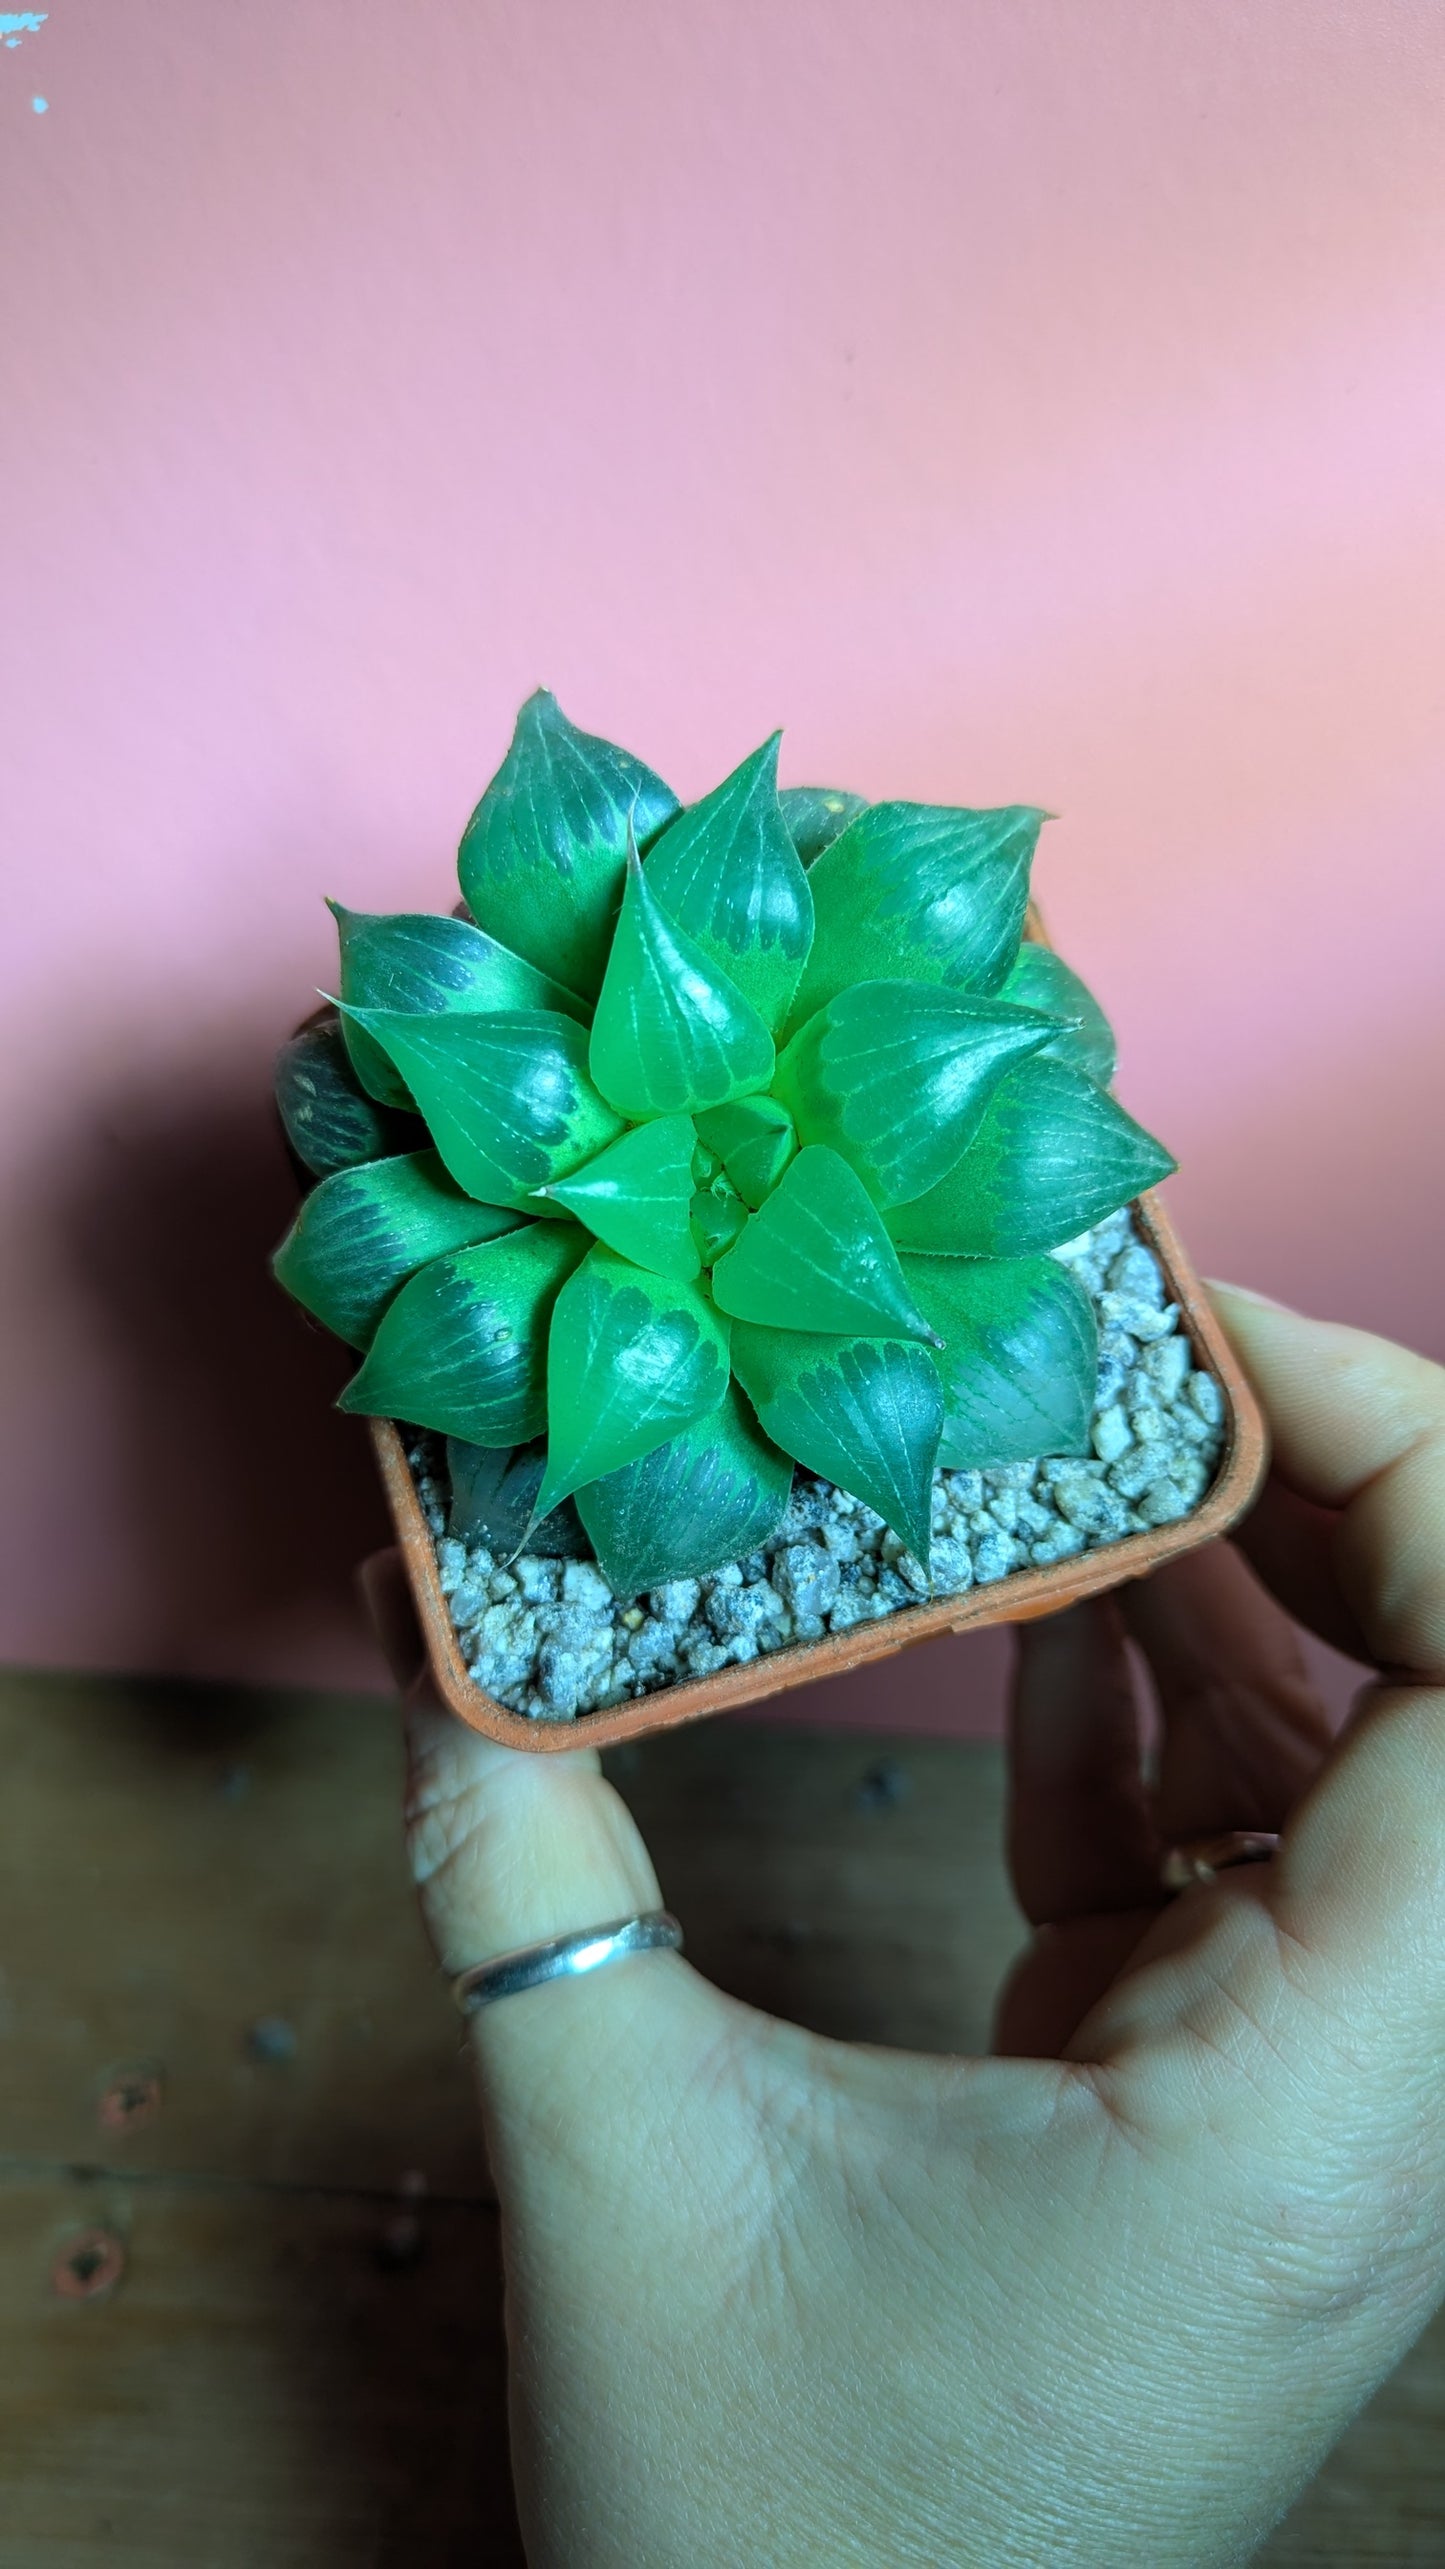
(1017, 1598)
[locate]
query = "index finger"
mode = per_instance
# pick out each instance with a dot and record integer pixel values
(1358, 1425)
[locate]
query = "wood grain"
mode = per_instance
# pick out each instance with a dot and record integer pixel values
(259, 2391)
(181, 1864)
(267, 2387)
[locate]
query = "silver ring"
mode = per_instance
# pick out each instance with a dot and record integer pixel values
(564, 1958)
(1199, 1859)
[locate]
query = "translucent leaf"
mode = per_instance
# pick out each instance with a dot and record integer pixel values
(726, 871)
(919, 892)
(718, 1216)
(705, 1497)
(816, 1256)
(1053, 1156)
(637, 1196)
(329, 1120)
(816, 815)
(672, 1032)
(462, 1349)
(1019, 1360)
(424, 966)
(542, 860)
(632, 1359)
(361, 1233)
(1041, 979)
(506, 1095)
(494, 1492)
(896, 1075)
(865, 1412)
(754, 1139)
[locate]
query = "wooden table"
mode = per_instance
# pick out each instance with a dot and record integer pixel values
(228, 2062)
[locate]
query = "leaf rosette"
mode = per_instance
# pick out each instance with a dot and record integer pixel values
(704, 1141)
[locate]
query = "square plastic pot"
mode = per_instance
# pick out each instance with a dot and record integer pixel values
(1015, 1599)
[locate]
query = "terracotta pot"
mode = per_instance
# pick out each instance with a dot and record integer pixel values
(1015, 1599)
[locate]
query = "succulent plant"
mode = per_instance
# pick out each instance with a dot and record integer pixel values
(706, 1140)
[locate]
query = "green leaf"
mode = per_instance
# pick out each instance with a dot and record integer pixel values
(542, 860)
(463, 1347)
(422, 965)
(919, 892)
(329, 1120)
(632, 1359)
(361, 1233)
(816, 1256)
(705, 1497)
(637, 1196)
(865, 1412)
(671, 1032)
(718, 1216)
(726, 871)
(754, 1139)
(494, 1491)
(506, 1095)
(1041, 979)
(816, 815)
(1020, 1357)
(1053, 1156)
(896, 1075)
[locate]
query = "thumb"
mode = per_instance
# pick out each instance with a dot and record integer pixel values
(510, 1849)
(1359, 1430)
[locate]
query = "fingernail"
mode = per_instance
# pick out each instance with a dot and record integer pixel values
(1247, 1293)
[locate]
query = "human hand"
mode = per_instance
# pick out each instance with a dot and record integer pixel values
(775, 2299)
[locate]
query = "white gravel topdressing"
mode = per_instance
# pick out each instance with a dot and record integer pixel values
(550, 1639)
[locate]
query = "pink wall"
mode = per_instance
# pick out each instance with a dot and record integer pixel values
(1013, 398)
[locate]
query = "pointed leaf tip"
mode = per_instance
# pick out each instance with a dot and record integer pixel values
(632, 1360)
(710, 1495)
(1041, 979)
(897, 1076)
(816, 1256)
(636, 1195)
(462, 1348)
(506, 1095)
(544, 854)
(672, 1031)
(1053, 1155)
(417, 963)
(366, 1229)
(727, 872)
(866, 1413)
(919, 892)
(1020, 1360)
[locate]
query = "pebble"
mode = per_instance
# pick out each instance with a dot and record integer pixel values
(952, 1567)
(806, 1578)
(676, 1604)
(549, 1638)
(1207, 1398)
(995, 1555)
(1113, 1435)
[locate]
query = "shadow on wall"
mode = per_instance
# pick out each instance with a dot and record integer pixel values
(249, 1500)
